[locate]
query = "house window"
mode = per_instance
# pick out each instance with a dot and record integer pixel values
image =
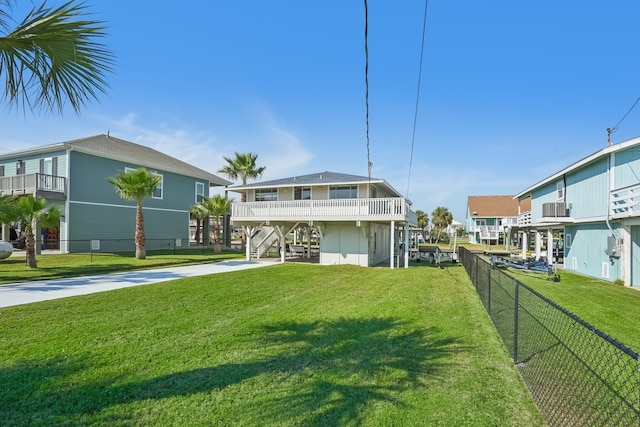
(567, 240)
(1, 170)
(266, 194)
(157, 193)
(343, 192)
(560, 190)
(20, 167)
(199, 192)
(302, 193)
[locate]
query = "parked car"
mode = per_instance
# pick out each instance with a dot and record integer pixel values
(18, 240)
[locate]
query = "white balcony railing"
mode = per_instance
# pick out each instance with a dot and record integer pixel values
(625, 201)
(524, 219)
(388, 208)
(34, 183)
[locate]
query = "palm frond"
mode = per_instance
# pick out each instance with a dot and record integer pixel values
(53, 57)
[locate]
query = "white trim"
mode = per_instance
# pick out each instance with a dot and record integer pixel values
(111, 205)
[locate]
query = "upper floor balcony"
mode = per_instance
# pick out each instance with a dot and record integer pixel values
(37, 184)
(368, 209)
(625, 202)
(524, 219)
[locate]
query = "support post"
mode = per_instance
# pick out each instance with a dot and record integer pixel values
(392, 248)
(406, 245)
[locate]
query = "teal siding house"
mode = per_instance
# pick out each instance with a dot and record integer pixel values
(73, 176)
(594, 204)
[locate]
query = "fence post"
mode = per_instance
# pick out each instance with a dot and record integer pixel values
(489, 292)
(515, 323)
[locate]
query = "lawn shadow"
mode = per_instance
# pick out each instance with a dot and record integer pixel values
(318, 373)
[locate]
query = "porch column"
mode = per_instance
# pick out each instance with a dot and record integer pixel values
(248, 231)
(283, 243)
(392, 247)
(406, 245)
(550, 246)
(6, 232)
(525, 244)
(538, 244)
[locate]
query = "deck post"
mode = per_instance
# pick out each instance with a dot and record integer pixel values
(406, 245)
(392, 247)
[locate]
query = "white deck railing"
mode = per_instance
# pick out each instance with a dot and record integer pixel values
(524, 219)
(388, 208)
(625, 201)
(31, 184)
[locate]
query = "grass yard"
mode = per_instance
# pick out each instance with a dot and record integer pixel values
(609, 307)
(55, 266)
(285, 345)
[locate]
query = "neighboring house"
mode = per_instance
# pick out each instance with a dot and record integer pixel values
(73, 176)
(491, 219)
(595, 205)
(356, 219)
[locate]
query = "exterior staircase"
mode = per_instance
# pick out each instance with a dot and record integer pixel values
(262, 241)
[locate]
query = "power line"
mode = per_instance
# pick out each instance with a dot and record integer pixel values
(366, 80)
(615, 128)
(415, 115)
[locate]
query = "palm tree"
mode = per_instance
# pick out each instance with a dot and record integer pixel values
(52, 57)
(216, 207)
(136, 186)
(8, 212)
(31, 211)
(199, 216)
(423, 222)
(441, 218)
(242, 167)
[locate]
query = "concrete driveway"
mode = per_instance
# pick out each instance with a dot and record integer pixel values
(42, 290)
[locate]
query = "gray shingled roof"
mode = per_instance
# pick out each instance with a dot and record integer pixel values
(311, 179)
(119, 149)
(320, 178)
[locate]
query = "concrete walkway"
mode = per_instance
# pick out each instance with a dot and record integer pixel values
(42, 290)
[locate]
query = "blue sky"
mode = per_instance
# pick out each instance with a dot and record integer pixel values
(511, 91)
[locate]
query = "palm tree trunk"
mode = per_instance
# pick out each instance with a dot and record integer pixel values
(141, 252)
(217, 248)
(30, 241)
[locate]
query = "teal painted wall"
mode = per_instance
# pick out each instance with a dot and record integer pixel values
(627, 167)
(96, 211)
(588, 190)
(588, 248)
(32, 163)
(88, 183)
(545, 194)
(114, 226)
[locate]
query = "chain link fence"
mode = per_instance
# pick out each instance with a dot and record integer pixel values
(577, 374)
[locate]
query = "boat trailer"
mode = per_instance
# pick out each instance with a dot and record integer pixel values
(541, 266)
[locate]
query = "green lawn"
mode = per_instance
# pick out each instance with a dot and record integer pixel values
(610, 307)
(53, 266)
(285, 345)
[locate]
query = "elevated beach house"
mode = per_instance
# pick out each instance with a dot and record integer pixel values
(491, 219)
(595, 205)
(73, 176)
(354, 219)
